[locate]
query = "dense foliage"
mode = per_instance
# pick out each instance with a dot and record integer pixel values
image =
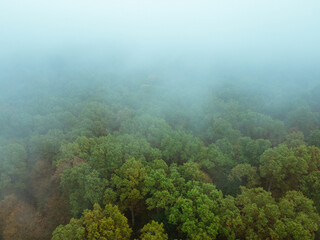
(136, 157)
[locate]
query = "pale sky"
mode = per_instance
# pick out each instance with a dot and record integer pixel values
(266, 30)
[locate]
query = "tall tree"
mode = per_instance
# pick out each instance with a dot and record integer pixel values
(195, 212)
(153, 231)
(83, 186)
(127, 182)
(282, 169)
(96, 224)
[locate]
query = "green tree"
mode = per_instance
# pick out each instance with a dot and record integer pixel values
(127, 184)
(96, 224)
(249, 150)
(230, 219)
(159, 188)
(83, 186)
(13, 167)
(107, 223)
(310, 154)
(255, 214)
(310, 187)
(106, 155)
(259, 212)
(259, 126)
(246, 174)
(180, 147)
(96, 119)
(80, 149)
(303, 118)
(136, 146)
(295, 139)
(153, 129)
(111, 151)
(195, 212)
(314, 138)
(46, 146)
(74, 230)
(299, 217)
(224, 129)
(282, 169)
(153, 231)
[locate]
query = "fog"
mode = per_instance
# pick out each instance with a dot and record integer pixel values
(251, 38)
(179, 117)
(190, 45)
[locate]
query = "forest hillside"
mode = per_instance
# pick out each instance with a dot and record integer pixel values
(133, 156)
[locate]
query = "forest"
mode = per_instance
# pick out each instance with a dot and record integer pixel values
(159, 120)
(135, 156)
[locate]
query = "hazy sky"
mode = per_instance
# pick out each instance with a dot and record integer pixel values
(266, 31)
